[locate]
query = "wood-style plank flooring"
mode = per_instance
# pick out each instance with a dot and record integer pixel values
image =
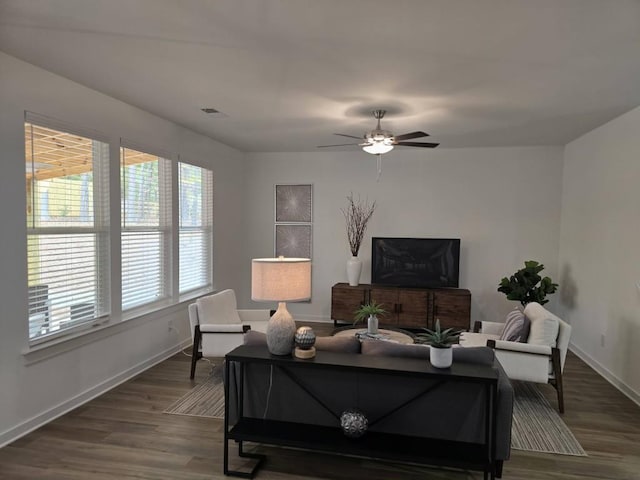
(123, 434)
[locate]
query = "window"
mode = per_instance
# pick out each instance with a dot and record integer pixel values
(67, 226)
(195, 186)
(146, 227)
(165, 230)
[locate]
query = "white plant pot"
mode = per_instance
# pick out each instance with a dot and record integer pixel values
(354, 269)
(372, 325)
(441, 357)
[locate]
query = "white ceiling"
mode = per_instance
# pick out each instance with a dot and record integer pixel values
(289, 73)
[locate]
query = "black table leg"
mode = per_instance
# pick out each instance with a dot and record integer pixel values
(259, 457)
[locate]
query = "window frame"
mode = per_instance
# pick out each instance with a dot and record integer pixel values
(115, 318)
(100, 229)
(207, 206)
(165, 227)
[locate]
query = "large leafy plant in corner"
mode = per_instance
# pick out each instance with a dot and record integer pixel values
(526, 285)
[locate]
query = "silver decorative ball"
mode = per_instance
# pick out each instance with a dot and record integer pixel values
(305, 338)
(354, 423)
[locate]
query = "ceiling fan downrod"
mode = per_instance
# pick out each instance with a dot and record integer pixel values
(378, 115)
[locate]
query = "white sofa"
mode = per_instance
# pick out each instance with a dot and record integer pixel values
(540, 359)
(217, 326)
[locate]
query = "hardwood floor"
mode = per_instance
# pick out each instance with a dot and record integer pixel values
(123, 434)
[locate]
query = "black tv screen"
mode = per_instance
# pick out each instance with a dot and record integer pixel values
(415, 262)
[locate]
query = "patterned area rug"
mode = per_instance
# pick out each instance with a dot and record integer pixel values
(537, 427)
(205, 400)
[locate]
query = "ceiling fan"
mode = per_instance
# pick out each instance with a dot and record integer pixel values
(378, 141)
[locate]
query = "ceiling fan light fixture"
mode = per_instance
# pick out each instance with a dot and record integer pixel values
(377, 148)
(379, 141)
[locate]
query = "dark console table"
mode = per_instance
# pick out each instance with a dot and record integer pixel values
(375, 445)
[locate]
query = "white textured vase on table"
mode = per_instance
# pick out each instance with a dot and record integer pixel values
(281, 331)
(354, 269)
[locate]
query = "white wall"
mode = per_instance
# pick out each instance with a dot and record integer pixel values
(32, 392)
(504, 204)
(599, 249)
(501, 202)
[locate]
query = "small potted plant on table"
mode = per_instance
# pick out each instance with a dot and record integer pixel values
(370, 311)
(439, 342)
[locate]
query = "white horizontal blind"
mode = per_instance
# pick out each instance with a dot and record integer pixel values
(195, 185)
(67, 227)
(145, 200)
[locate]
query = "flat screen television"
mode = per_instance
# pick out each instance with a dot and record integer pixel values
(415, 262)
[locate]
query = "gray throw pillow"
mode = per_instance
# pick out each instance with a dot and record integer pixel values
(513, 327)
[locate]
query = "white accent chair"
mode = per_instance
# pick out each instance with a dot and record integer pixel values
(217, 326)
(540, 360)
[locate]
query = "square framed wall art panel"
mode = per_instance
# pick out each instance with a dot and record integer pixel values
(294, 203)
(293, 240)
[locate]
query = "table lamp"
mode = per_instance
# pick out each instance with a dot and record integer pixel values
(281, 280)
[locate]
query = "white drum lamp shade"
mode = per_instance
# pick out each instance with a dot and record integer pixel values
(281, 280)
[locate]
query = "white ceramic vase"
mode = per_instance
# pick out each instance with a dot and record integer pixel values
(354, 269)
(372, 325)
(441, 357)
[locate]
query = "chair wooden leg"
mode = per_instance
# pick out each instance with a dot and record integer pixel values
(557, 372)
(195, 354)
(499, 465)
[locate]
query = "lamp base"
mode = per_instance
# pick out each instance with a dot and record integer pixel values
(281, 331)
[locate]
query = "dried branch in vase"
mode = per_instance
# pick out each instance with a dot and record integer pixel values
(357, 214)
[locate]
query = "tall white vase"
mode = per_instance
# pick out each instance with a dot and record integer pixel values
(354, 269)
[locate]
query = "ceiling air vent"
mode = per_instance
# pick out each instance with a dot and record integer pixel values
(213, 112)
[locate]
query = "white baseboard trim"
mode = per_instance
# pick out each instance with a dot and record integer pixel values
(605, 373)
(45, 417)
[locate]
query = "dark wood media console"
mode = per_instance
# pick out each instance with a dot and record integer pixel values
(406, 307)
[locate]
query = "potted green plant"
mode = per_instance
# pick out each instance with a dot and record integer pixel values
(370, 311)
(440, 342)
(526, 285)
